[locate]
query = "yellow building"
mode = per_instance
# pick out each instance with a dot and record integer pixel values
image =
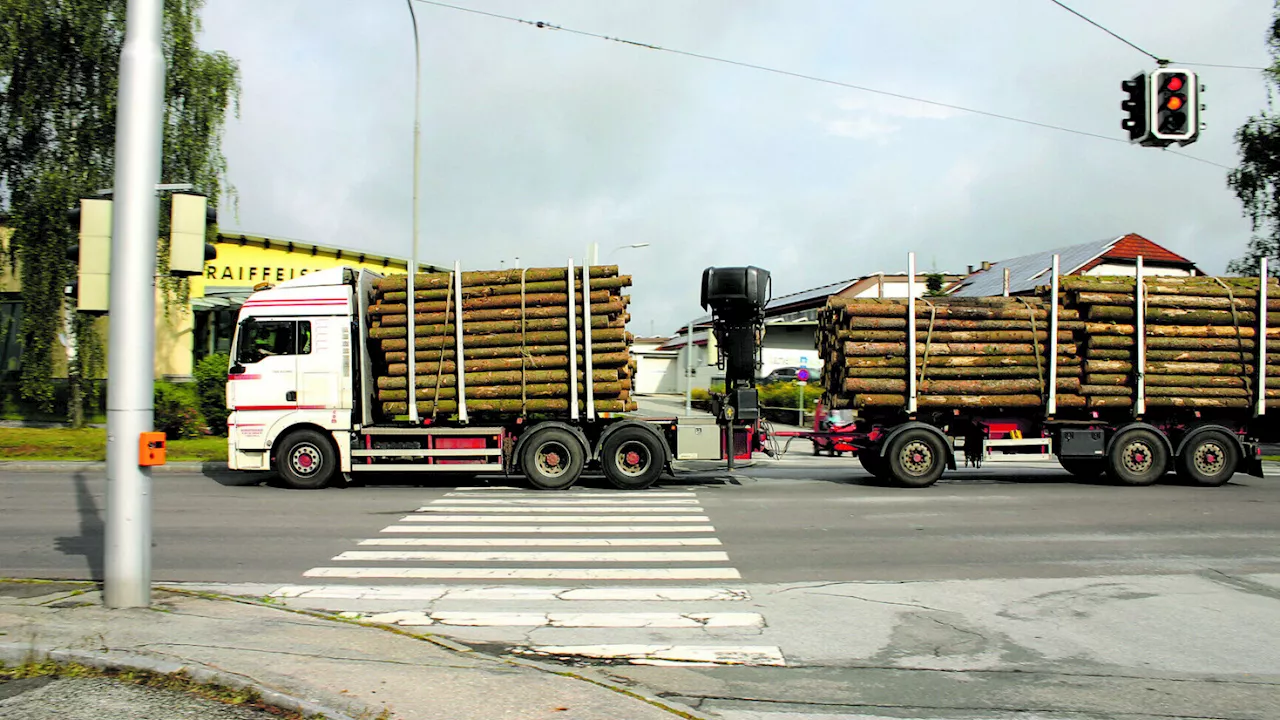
(203, 323)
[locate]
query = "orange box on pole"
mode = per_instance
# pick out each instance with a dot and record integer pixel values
(151, 449)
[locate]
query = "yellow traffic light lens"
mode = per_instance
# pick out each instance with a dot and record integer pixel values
(1174, 103)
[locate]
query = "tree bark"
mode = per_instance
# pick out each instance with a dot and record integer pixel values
(495, 377)
(399, 329)
(383, 312)
(444, 280)
(496, 392)
(866, 349)
(537, 405)
(513, 340)
(475, 353)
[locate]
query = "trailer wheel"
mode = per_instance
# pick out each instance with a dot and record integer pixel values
(1084, 468)
(552, 459)
(916, 458)
(305, 460)
(874, 464)
(1210, 459)
(632, 458)
(1137, 457)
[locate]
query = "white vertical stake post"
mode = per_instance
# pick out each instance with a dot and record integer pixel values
(573, 344)
(132, 339)
(1051, 407)
(688, 370)
(1140, 330)
(412, 356)
(459, 360)
(1263, 279)
(586, 344)
(1006, 281)
(911, 334)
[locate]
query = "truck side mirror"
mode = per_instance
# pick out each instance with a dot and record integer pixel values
(236, 369)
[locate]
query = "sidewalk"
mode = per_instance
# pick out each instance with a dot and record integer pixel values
(305, 662)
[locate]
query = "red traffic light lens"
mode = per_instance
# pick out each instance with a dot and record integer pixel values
(1174, 103)
(1175, 83)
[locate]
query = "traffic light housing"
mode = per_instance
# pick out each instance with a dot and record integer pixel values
(1135, 104)
(92, 255)
(191, 215)
(1174, 112)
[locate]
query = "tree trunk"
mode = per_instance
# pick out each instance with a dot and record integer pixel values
(1180, 316)
(396, 327)
(513, 340)
(537, 405)
(993, 350)
(444, 280)
(614, 307)
(496, 392)
(495, 377)
(533, 362)
(515, 351)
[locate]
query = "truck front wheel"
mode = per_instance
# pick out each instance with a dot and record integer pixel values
(552, 459)
(632, 458)
(305, 460)
(1210, 459)
(916, 458)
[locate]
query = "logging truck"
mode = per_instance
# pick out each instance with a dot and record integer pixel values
(312, 396)
(1127, 377)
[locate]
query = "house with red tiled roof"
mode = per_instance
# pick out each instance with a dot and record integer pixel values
(1116, 256)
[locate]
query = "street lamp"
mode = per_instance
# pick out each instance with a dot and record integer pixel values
(413, 251)
(593, 251)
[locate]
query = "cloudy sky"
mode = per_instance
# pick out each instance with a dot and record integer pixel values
(537, 142)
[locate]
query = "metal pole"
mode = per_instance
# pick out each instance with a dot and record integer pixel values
(1006, 282)
(1052, 405)
(131, 340)
(1140, 331)
(413, 250)
(688, 372)
(911, 334)
(1263, 279)
(573, 344)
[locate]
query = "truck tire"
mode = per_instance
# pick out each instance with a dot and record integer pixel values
(873, 463)
(916, 458)
(306, 460)
(632, 458)
(1084, 468)
(1210, 459)
(1137, 457)
(552, 459)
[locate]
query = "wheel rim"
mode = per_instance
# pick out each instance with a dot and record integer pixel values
(916, 458)
(552, 459)
(1137, 457)
(633, 459)
(1209, 459)
(306, 459)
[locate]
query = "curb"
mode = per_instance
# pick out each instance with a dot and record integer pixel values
(72, 466)
(17, 654)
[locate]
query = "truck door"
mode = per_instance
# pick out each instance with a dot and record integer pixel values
(324, 364)
(263, 381)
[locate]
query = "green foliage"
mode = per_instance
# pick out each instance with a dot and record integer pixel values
(211, 386)
(933, 285)
(177, 410)
(59, 67)
(1256, 182)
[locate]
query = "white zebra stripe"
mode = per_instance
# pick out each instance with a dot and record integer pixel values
(563, 620)
(455, 573)
(554, 509)
(555, 518)
(537, 502)
(532, 557)
(431, 593)
(542, 542)
(557, 529)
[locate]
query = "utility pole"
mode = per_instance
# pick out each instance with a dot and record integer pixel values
(131, 341)
(412, 347)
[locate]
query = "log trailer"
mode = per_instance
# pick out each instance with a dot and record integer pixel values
(1132, 419)
(303, 399)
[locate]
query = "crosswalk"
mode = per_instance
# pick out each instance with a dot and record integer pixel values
(654, 551)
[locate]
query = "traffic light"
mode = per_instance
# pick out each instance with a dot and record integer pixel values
(1174, 115)
(190, 218)
(92, 255)
(1136, 105)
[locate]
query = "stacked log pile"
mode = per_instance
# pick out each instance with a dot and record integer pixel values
(1200, 335)
(983, 352)
(1201, 338)
(516, 342)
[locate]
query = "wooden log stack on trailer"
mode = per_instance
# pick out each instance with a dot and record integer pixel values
(523, 337)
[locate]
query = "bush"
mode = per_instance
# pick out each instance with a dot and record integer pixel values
(177, 410)
(211, 387)
(779, 401)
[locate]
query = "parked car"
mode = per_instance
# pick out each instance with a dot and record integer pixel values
(786, 374)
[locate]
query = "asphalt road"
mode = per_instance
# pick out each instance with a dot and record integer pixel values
(1010, 591)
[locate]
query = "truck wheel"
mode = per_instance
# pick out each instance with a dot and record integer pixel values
(873, 463)
(1210, 459)
(1084, 468)
(632, 458)
(306, 460)
(1137, 457)
(552, 459)
(916, 458)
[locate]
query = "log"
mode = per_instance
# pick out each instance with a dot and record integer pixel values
(603, 335)
(1093, 390)
(1180, 331)
(1208, 356)
(494, 392)
(1168, 368)
(923, 324)
(968, 373)
(474, 353)
(613, 307)
(1179, 343)
(957, 387)
(1175, 285)
(533, 362)
(1197, 392)
(537, 405)
(443, 280)
(865, 349)
(494, 377)
(1108, 379)
(1177, 301)
(400, 296)
(1109, 354)
(560, 300)
(949, 401)
(1204, 403)
(1015, 311)
(956, 336)
(399, 329)
(959, 361)
(1180, 316)
(1231, 381)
